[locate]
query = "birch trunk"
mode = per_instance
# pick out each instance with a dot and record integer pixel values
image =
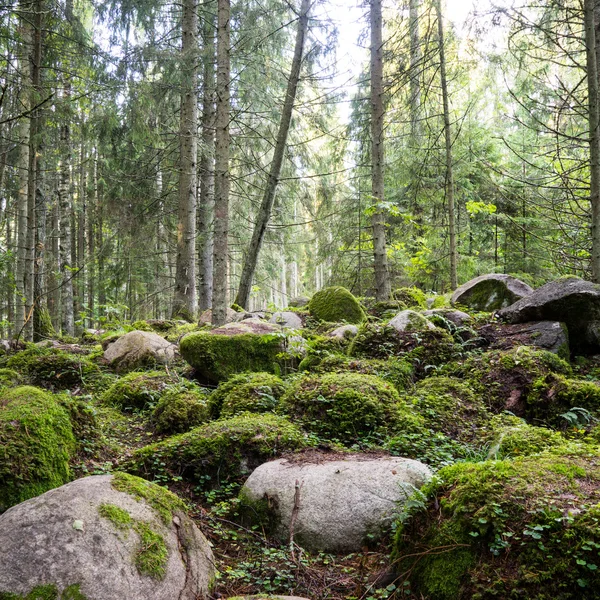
(184, 301)
(378, 221)
(264, 212)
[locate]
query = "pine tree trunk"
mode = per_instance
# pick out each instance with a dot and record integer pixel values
(221, 226)
(264, 212)
(448, 142)
(207, 173)
(594, 139)
(91, 239)
(382, 277)
(184, 301)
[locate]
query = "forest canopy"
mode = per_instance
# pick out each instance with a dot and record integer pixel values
(161, 158)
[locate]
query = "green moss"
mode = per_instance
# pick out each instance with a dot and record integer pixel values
(336, 304)
(217, 357)
(180, 410)
(424, 349)
(248, 392)
(36, 443)
(399, 372)
(387, 309)
(220, 451)
(141, 326)
(521, 528)
(54, 369)
(137, 390)
(344, 406)
(411, 296)
(164, 502)
(119, 517)
(9, 378)
(82, 415)
(449, 405)
(152, 555)
(47, 592)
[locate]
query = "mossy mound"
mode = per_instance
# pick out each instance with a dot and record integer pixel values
(507, 378)
(247, 392)
(346, 407)
(54, 369)
(10, 378)
(424, 349)
(449, 405)
(412, 297)
(522, 528)
(512, 437)
(336, 304)
(397, 371)
(180, 410)
(82, 415)
(387, 309)
(36, 443)
(221, 451)
(138, 390)
(217, 357)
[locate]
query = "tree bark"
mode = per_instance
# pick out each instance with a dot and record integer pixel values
(448, 143)
(207, 172)
(184, 301)
(221, 227)
(382, 277)
(264, 212)
(594, 135)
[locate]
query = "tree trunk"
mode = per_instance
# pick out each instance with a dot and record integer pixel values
(91, 239)
(264, 212)
(382, 277)
(594, 139)
(221, 227)
(448, 140)
(184, 301)
(207, 173)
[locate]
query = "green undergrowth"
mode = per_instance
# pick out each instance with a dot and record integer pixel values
(219, 452)
(521, 528)
(36, 444)
(139, 390)
(47, 592)
(413, 297)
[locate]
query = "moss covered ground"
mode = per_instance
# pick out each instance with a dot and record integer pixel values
(513, 437)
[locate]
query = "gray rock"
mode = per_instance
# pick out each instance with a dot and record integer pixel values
(344, 332)
(60, 539)
(206, 316)
(572, 301)
(458, 317)
(491, 292)
(137, 348)
(341, 501)
(299, 301)
(547, 335)
(410, 321)
(287, 319)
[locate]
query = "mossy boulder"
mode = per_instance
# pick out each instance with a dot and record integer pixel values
(247, 392)
(396, 371)
(490, 292)
(181, 409)
(137, 390)
(424, 349)
(412, 297)
(102, 538)
(449, 405)
(506, 378)
(521, 528)
(346, 407)
(249, 345)
(139, 349)
(336, 304)
(386, 309)
(10, 378)
(36, 444)
(54, 369)
(221, 451)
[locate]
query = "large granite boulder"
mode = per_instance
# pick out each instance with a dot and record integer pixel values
(287, 319)
(334, 502)
(206, 316)
(490, 292)
(104, 538)
(139, 349)
(572, 301)
(409, 321)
